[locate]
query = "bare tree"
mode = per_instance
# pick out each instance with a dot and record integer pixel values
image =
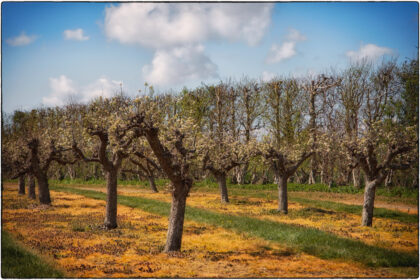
(315, 87)
(383, 144)
(285, 147)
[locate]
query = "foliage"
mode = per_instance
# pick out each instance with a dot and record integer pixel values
(17, 262)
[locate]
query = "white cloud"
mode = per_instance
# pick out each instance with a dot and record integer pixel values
(369, 52)
(177, 32)
(64, 89)
(21, 40)
(295, 35)
(286, 50)
(267, 76)
(76, 34)
(101, 87)
(162, 25)
(179, 65)
(278, 53)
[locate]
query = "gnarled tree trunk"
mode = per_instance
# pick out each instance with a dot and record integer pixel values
(43, 189)
(31, 189)
(282, 188)
(21, 181)
(176, 221)
(111, 200)
(368, 204)
(221, 181)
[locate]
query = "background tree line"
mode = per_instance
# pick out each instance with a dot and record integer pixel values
(355, 127)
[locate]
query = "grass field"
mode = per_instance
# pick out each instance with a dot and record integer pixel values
(18, 262)
(246, 238)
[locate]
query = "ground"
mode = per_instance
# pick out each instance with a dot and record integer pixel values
(70, 233)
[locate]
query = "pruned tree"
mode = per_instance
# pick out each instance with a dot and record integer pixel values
(285, 148)
(249, 106)
(383, 144)
(354, 84)
(99, 133)
(315, 87)
(219, 150)
(172, 141)
(39, 142)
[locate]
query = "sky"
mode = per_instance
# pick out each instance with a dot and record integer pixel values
(54, 52)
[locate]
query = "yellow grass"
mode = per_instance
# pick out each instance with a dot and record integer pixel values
(70, 232)
(386, 233)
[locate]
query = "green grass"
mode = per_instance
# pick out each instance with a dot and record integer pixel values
(295, 187)
(268, 193)
(357, 209)
(17, 262)
(308, 240)
(79, 181)
(328, 205)
(396, 191)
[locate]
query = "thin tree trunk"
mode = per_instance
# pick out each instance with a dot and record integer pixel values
(368, 204)
(21, 181)
(43, 189)
(388, 180)
(176, 222)
(221, 180)
(356, 178)
(282, 188)
(31, 189)
(241, 174)
(312, 173)
(152, 184)
(111, 200)
(70, 172)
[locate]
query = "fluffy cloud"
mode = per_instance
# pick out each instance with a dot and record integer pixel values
(267, 76)
(177, 32)
(162, 25)
(21, 40)
(101, 87)
(64, 89)
(76, 34)
(369, 52)
(286, 50)
(178, 65)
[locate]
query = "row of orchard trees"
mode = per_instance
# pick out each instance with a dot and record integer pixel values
(362, 121)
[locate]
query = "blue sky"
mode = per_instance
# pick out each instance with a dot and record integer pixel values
(55, 51)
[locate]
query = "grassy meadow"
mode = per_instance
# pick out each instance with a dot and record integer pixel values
(247, 238)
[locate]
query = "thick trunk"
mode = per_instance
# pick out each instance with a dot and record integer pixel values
(111, 200)
(368, 204)
(43, 189)
(152, 184)
(31, 189)
(282, 188)
(21, 181)
(176, 222)
(221, 180)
